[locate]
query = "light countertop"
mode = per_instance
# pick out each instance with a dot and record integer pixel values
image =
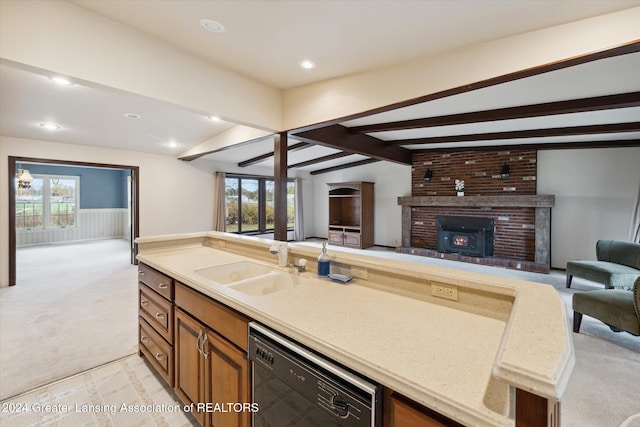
(461, 360)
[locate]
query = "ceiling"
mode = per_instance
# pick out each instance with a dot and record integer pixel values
(265, 40)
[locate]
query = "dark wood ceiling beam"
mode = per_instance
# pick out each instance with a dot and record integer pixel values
(338, 137)
(261, 158)
(523, 134)
(617, 143)
(320, 160)
(607, 102)
(344, 166)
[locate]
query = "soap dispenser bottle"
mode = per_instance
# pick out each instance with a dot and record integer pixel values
(323, 261)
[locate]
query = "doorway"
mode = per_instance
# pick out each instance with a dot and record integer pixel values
(133, 221)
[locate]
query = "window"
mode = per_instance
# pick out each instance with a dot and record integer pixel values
(30, 205)
(250, 204)
(51, 202)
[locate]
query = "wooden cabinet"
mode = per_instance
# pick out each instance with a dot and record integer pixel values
(400, 412)
(155, 320)
(351, 214)
(211, 359)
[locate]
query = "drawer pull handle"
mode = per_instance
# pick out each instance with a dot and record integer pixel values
(163, 286)
(141, 273)
(144, 303)
(159, 357)
(160, 316)
(144, 340)
(198, 342)
(205, 341)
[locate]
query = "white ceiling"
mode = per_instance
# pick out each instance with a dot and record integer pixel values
(265, 40)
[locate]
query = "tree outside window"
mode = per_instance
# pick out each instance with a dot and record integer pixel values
(51, 202)
(250, 204)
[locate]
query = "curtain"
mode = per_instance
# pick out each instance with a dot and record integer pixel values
(634, 231)
(298, 228)
(219, 208)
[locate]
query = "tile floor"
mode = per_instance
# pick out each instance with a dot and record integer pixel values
(123, 393)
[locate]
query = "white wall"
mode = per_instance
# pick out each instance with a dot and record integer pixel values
(175, 196)
(391, 181)
(595, 191)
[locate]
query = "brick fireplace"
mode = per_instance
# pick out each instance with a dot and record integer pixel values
(521, 218)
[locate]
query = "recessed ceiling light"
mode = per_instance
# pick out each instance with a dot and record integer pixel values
(214, 118)
(132, 116)
(307, 64)
(50, 126)
(172, 144)
(212, 25)
(62, 81)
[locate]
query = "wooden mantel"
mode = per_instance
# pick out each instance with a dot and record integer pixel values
(532, 201)
(541, 203)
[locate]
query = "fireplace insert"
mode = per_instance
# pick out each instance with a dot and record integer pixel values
(470, 236)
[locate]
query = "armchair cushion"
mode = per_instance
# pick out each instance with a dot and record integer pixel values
(618, 308)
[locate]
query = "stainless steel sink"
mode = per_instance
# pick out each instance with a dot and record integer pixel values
(227, 274)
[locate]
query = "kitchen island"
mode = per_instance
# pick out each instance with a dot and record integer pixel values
(477, 349)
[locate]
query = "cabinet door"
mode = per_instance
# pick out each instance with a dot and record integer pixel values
(190, 364)
(352, 239)
(227, 382)
(400, 411)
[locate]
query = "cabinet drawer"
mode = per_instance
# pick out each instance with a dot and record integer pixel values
(227, 322)
(336, 237)
(155, 280)
(157, 351)
(352, 239)
(157, 311)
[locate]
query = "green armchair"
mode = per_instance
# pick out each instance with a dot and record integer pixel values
(618, 308)
(618, 265)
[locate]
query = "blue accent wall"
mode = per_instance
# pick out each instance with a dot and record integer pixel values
(99, 188)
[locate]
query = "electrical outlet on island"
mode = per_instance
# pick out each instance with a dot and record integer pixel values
(445, 291)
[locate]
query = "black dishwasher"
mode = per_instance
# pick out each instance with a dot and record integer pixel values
(295, 387)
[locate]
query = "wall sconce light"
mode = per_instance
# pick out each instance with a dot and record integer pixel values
(428, 175)
(505, 172)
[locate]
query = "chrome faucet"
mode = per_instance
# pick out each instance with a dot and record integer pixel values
(280, 248)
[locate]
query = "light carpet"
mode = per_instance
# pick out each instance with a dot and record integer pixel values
(74, 307)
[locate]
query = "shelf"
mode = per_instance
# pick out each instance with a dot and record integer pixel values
(529, 201)
(351, 214)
